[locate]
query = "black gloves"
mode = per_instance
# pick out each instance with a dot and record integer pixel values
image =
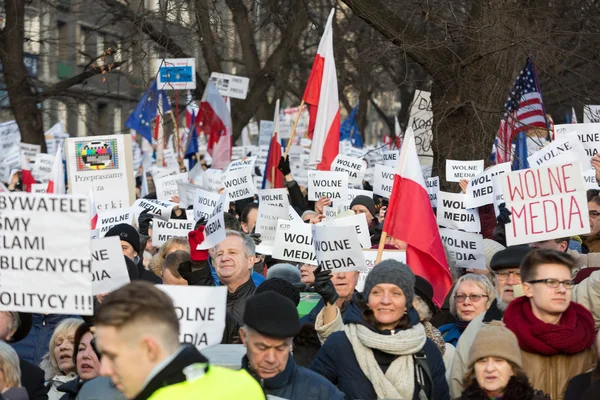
(256, 238)
(144, 222)
(503, 217)
(324, 286)
(284, 166)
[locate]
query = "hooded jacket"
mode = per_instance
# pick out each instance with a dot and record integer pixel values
(296, 383)
(336, 361)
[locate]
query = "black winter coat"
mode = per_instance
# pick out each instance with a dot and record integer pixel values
(71, 389)
(336, 361)
(32, 379)
(518, 388)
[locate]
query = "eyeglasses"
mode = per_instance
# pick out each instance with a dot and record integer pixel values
(503, 275)
(475, 298)
(554, 283)
(594, 214)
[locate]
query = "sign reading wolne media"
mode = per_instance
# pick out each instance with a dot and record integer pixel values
(337, 248)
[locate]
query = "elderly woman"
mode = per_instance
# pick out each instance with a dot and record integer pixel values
(58, 363)
(173, 244)
(383, 351)
(495, 368)
(472, 295)
(10, 374)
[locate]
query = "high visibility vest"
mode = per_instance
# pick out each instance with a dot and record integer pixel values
(217, 384)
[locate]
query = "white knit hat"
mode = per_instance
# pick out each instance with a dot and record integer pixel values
(490, 247)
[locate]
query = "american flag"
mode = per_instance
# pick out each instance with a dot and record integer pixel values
(524, 109)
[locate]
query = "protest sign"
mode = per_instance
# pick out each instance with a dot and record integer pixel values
(103, 165)
(214, 231)
(293, 242)
(109, 270)
(246, 162)
(167, 187)
(384, 180)
(109, 219)
(5, 174)
(498, 194)
(10, 136)
(239, 184)
(158, 172)
(204, 204)
(12, 157)
(457, 170)
(158, 208)
(4, 189)
(334, 211)
(391, 158)
(480, 190)
(433, 188)
(278, 197)
(370, 257)
(232, 86)
(45, 264)
(421, 122)
(237, 152)
(30, 151)
(55, 138)
(165, 230)
(452, 213)
(212, 180)
(588, 134)
(565, 149)
(359, 222)
(187, 191)
(333, 185)
(337, 249)
(353, 193)
(589, 178)
(466, 249)
(545, 203)
(266, 225)
(591, 114)
(200, 311)
(39, 188)
(354, 167)
(195, 175)
(293, 215)
(266, 133)
(42, 168)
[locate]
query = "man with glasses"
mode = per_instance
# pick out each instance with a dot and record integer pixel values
(592, 241)
(556, 335)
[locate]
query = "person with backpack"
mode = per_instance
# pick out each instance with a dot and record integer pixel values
(383, 351)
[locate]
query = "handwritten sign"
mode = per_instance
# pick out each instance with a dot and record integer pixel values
(109, 270)
(457, 170)
(480, 190)
(452, 213)
(337, 248)
(294, 242)
(333, 185)
(466, 249)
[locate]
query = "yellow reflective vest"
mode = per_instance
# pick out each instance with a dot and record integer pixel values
(217, 383)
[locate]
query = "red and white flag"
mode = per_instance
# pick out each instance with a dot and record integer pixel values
(26, 176)
(56, 184)
(93, 210)
(214, 119)
(273, 178)
(322, 93)
(410, 219)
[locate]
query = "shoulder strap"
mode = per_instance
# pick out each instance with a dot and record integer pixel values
(423, 372)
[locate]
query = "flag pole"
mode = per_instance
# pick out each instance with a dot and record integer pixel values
(287, 149)
(380, 248)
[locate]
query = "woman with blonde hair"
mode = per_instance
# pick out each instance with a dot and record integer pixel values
(10, 374)
(171, 245)
(58, 363)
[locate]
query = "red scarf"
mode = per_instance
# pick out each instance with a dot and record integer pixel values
(574, 333)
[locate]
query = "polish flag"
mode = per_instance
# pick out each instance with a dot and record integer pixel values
(410, 219)
(26, 175)
(93, 210)
(214, 119)
(321, 95)
(56, 184)
(273, 178)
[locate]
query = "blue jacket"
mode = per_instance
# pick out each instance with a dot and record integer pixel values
(35, 345)
(336, 361)
(451, 333)
(256, 277)
(297, 383)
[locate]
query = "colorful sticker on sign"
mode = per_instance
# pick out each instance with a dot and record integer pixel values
(93, 155)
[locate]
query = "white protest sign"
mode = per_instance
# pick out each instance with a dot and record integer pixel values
(293, 242)
(465, 248)
(45, 255)
(354, 193)
(591, 114)
(232, 86)
(239, 184)
(498, 194)
(212, 180)
(452, 213)
(39, 187)
(187, 191)
(266, 133)
(4, 189)
(332, 212)
(457, 170)
(433, 188)
(337, 249)
(371, 256)
(293, 215)
(266, 224)
(165, 230)
(421, 122)
(204, 204)
(354, 167)
(588, 134)
(109, 270)
(10, 136)
(391, 158)
(590, 180)
(359, 222)
(201, 313)
(278, 197)
(480, 190)
(333, 185)
(158, 172)
(5, 174)
(565, 149)
(158, 208)
(246, 162)
(214, 231)
(109, 219)
(545, 203)
(167, 187)
(237, 152)
(12, 157)
(42, 168)
(30, 151)
(384, 180)
(55, 138)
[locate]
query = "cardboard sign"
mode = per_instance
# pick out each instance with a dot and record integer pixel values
(30, 151)
(546, 203)
(239, 184)
(452, 213)
(109, 219)
(187, 192)
(391, 158)
(42, 169)
(266, 225)
(165, 230)
(337, 249)
(433, 188)
(354, 167)
(589, 178)
(167, 187)
(232, 86)
(565, 149)
(246, 162)
(333, 185)
(294, 242)
(104, 165)
(384, 180)
(464, 248)
(109, 270)
(214, 231)
(457, 170)
(204, 204)
(158, 208)
(371, 256)
(359, 222)
(45, 254)
(212, 180)
(277, 197)
(480, 190)
(201, 313)
(588, 134)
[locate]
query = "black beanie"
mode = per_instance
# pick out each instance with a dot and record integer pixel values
(367, 202)
(127, 233)
(272, 315)
(510, 257)
(282, 287)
